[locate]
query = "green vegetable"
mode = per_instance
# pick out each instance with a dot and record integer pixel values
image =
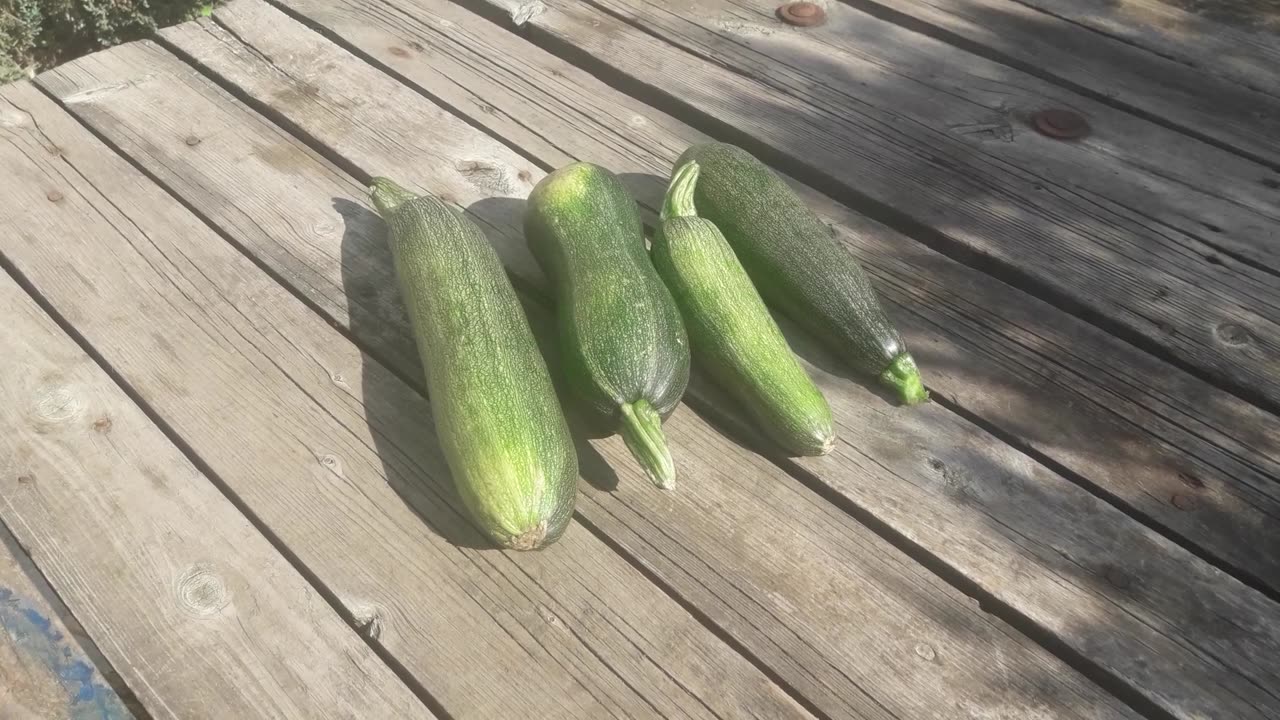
(623, 343)
(798, 266)
(496, 413)
(731, 330)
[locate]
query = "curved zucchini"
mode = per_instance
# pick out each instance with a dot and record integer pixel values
(496, 413)
(798, 266)
(730, 329)
(623, 343)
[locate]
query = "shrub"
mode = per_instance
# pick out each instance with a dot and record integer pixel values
(35, 34)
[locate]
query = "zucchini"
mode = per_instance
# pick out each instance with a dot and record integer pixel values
(798, 266)
(731, 331)
(496, 414)
(622, 342)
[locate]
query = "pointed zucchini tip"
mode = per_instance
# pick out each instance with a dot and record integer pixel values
(387, 194)
(903, 377)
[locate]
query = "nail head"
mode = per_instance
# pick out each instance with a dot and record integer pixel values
(802, 14)
(1060, 123)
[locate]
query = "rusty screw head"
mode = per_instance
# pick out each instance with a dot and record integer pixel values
(1060, 123)
(802, 14)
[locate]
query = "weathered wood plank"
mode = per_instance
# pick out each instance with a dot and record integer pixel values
(327, 448)
(1142, 430)
(48, 668)
(936, 138)
(1192, 99)
(367, 145)
(1233, 52)
(1197, 460)
(778, 569)
(200, 614)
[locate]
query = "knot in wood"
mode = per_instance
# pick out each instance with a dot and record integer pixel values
(1233, 334)
(202, 592)
(368, 620)
(56, 405)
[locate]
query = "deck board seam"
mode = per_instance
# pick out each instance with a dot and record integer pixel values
(415, 686)
(310, 141)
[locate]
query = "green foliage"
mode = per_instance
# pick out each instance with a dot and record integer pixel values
(35, 34)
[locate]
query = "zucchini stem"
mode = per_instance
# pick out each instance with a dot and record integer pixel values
(387, 194)
(904, 377)
(679, 199)
(642, 431)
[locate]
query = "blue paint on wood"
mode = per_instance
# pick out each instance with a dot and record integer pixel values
(37, 639)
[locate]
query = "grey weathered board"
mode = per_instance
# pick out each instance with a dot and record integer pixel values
(367, 143)
(1239, 54)
(201, 616)
(1196, 459)
(1188, 97)
(963, 173)
(778, 568)
(333, 456)
(48, 666)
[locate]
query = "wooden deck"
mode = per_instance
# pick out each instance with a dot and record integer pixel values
(220, 495)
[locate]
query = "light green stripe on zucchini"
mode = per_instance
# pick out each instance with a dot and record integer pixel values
(732, 333)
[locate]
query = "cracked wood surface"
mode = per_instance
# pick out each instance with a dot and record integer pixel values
(758, 588)
(201, 616)
(333, 455)
(779, 570)
(1135, 227)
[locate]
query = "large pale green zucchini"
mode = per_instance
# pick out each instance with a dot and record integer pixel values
(496, 413)
(731, 331)
(798, 266)
(623, 343)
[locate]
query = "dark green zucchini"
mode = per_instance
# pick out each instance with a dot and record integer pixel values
(798, 266)
(623, 343)
(495, 410)
(731, 331)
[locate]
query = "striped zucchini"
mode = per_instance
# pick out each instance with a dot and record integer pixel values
(731, 331)
(623, 343)
(496, 413)
(798, 266)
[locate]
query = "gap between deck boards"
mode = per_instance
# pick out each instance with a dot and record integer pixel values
(311, 141)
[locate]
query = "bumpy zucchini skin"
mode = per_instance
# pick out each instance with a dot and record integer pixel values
(798, 267)
(731, 332)
(496, 413)
(622, 340)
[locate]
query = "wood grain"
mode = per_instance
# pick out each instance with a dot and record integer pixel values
(1198, 461)
(963, 174)
(203, 618)
(1190, 98)
(778, 569)
(1237, 53)
(331, 452)
(365, 149)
